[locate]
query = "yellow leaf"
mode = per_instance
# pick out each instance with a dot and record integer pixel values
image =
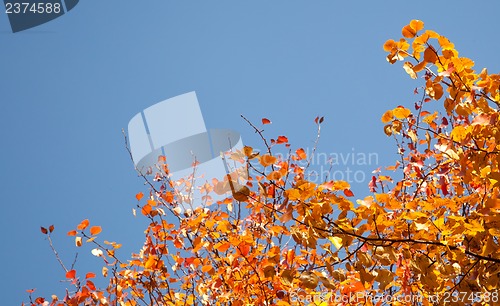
(430, 118)
(458, 133)
(336, 241)
(150, 262)
(416, 25)
(401, 112)
(494, 232)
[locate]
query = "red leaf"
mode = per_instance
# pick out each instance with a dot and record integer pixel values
(282, 139)
(90, 275)
(321, 119)
(266, 121)
(40, 300)
(91, 285)
(373, 184)
(51, 228)
(348, 193)
(71, 274)
(44, 230)
(444, 185)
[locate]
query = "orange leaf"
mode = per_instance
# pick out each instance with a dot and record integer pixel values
(83, 225)
(94, 230)
(139, 196)
(90, 275)
(301, 153)
(388, 45)
(72, 233)
(266, 121)
(408, 32)
(267, 160)
(51, 228)
(419, 67)
(91, 285)
(206, 268)
(162, 159)
(387, 116)
(44, 230)
(288, 214)
(223, 247)
(31, 290)
(430, 55)
(71, 274)
(146, 210)
(348, 193)
(168, 197)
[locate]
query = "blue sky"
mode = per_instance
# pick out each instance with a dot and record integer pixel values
(68, 87)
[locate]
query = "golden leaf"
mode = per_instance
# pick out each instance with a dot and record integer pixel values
(336, 241)
(387, 116)
(401, 112)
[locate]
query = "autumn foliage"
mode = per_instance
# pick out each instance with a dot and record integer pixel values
(430, 237)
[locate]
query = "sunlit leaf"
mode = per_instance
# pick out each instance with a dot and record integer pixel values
(71, 274)
(336, 241)
(266, 121)
(83, 225)
(94, 230)
(139, 196)
(401, 112)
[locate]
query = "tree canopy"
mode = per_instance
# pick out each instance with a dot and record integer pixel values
(430, 237)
